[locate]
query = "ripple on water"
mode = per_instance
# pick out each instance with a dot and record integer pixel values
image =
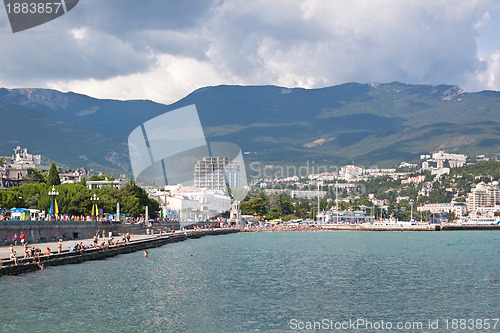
(258, 282)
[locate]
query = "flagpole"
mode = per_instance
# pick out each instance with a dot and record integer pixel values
(95, 209)
(53, 207)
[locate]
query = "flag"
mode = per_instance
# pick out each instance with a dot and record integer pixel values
(51, 209)
(56, 207)
(94, 209)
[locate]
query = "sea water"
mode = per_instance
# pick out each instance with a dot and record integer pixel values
(271, 282)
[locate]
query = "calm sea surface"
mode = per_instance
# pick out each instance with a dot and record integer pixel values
(268, 282)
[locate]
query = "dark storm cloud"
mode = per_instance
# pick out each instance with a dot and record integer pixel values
(105, 48)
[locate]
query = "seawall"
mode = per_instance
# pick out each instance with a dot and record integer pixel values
(31, 264)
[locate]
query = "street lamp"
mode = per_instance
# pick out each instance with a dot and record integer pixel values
(411, 204)
(95, 209)
(53, 206)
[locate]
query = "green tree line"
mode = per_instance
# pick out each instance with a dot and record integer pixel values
(75, 198)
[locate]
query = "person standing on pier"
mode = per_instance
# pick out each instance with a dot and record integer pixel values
(23, 238)
(25, 246)
(59, 246)
(15, 239)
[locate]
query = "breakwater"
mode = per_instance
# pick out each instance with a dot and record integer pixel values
(66, 257)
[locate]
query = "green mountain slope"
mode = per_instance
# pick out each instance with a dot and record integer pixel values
(362, 123)
(68, 144)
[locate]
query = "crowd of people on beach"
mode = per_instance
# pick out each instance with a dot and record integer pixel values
(281, 227)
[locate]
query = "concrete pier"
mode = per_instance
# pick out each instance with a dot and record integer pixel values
(31, 264)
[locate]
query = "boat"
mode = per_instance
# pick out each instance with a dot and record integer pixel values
(482, 220)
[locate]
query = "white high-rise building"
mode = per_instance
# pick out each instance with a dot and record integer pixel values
(350, 172)
(216, 173)
(483, 196)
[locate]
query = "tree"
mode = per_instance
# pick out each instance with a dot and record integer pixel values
(53, 178)
(255, 206)
(38, 176)
(273, 214)
(285, 204)
(98, 177)
(135, 199)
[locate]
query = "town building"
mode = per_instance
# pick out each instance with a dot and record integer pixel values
(7, 183)
(21, 159)
(277, 191)
(350, 172)
(373, 172)
(216, 173)
(307, 194)
(191, 203)
(457, 208)
(440, 171)
(18, 174)
(483, 198)
(413, 180)
(441, 156)
(407, 165)
(325, 176)
(97, 184)
(73, 177)
(18, 168)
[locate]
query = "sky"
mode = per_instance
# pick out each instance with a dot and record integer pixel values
(163, 50)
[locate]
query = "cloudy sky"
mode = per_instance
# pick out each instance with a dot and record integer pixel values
(162, 50)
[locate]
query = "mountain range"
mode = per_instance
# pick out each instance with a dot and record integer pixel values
(364, 124)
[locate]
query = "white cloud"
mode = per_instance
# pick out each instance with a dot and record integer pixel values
(169, 79)
(488, 79)
(315, 43)
(79, 33)
(162, 52)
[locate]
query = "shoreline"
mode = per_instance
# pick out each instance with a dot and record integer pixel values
(372, 227)
(142, 242)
